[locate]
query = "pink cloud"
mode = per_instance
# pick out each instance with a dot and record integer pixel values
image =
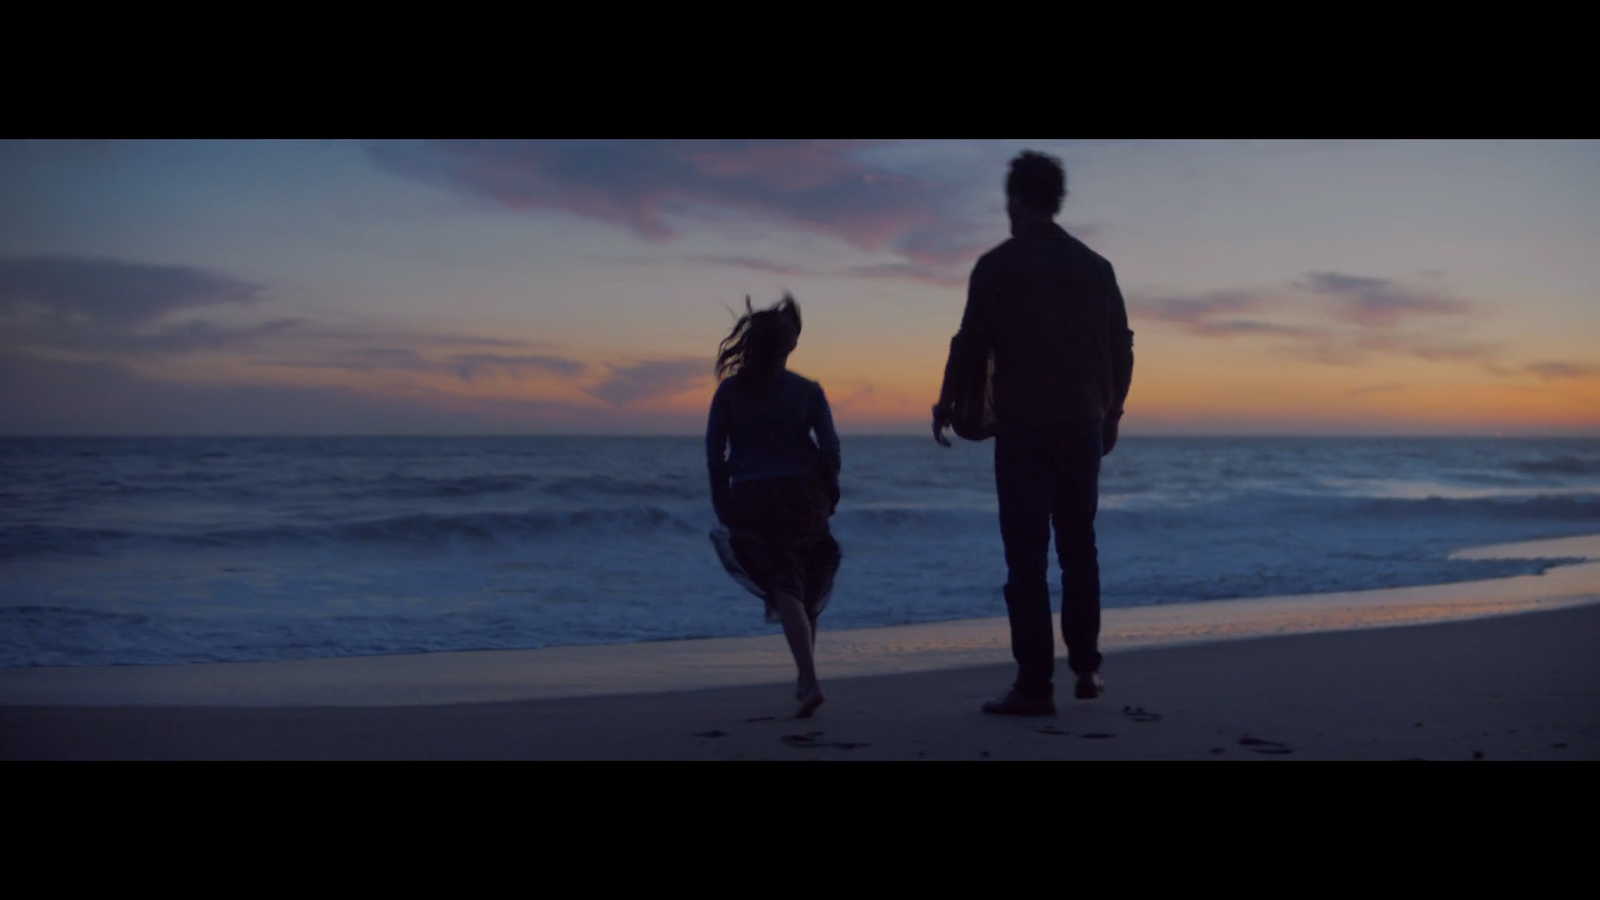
(650, 187)
(1378, 302)
(1375, 305)
(1552, 370)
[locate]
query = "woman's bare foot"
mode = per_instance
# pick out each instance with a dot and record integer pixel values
(809, 701)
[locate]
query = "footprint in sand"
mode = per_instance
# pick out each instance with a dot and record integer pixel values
(850, 745)
(1271, 748)
(1051, 729)
(1140, 714)
(809, 739)
(712, 733)
(1098, 735)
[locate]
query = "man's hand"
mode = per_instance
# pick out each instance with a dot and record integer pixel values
(941, 421)
(1108, 432)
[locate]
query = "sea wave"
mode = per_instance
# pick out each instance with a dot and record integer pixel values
(874, 523)
(413, 487)
(1576, 506)
(1561, 465)
(414, 531)
(605, 486)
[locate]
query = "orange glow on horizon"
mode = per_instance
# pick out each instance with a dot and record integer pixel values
(1179, 385)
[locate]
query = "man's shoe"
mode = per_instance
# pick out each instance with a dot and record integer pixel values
(1089, 686)
(1015, 704)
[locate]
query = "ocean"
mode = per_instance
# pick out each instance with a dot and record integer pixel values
(132, 551)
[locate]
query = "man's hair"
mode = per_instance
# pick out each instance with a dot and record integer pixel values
(1038, 181)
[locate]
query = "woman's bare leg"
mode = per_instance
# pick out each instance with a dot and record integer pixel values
(797, 628)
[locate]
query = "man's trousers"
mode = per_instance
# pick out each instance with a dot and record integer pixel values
(1049, 474)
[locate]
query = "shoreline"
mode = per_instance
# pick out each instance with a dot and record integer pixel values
(653, 668)
(1515, 687)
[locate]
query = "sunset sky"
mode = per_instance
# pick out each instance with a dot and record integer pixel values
(306, 287)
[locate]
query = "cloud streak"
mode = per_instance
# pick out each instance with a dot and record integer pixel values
(1360, 317)
(630, 385)
(104, 313)
(1550, 371)
(1374, 389)
(108, 307)
(54, 397)
(1325, 317)
(898, 271)
(653, 187)
(110, 291)
(471, 364)
(1378, 302)
(1216, 315)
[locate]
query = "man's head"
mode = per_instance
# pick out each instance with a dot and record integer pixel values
(1034, 187)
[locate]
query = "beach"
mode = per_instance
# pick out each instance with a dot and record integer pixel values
(1494, 670)
(344, 449)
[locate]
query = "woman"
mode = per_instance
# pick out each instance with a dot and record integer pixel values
(772, 485)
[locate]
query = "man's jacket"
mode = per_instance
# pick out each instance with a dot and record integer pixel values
(1046, 322)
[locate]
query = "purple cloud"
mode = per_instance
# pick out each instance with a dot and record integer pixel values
(1201, 315)
(54, 397)
(1195, 310)
(759, 265)
(422, 339)
(1341, 348)
(910, 271)
(114, 292)
(469, 364)
(192, 336)
(1553, 370)
(643, 381)
(1377, 302)
(818, 186)
(1362, 301)
(1374, 389)
(368, 358)
(901, 271)
(102, 306)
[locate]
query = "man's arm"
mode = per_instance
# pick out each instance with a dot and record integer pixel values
(1121, 362)
(970, 346)
(1121, 346)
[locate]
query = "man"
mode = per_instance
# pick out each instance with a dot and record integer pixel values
(1046, 311)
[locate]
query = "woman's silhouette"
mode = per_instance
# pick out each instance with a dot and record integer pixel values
(772, 485)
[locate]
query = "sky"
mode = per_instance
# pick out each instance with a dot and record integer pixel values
(1349, 287)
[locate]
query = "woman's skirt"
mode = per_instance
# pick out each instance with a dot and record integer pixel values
(779, 540)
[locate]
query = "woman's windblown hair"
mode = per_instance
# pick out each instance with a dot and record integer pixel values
(761, 340)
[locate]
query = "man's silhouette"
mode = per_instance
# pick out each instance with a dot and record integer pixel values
(1046, 322)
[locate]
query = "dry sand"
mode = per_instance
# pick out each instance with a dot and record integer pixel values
(1501, 669)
